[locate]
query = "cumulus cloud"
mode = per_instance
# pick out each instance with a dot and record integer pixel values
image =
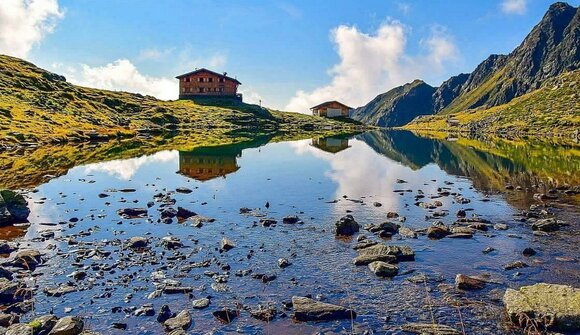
(514, 6)
(374, 63)
(154, 54)
(23, 24)
(122, 75)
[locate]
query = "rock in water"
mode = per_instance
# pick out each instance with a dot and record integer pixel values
(429, 329)
(383, 269)
(225, 315)
(226, 244)
(200, 303)
(137, 242)
(13, 208)
(347, 226)
(556, 305)
(181, 321)
(69, 325)
(306, 309)
(464, 282)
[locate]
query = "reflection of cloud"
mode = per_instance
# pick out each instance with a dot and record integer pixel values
(375, 177)
(125, 169)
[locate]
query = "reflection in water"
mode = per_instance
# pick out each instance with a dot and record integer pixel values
(490, 165)
(331, 144)
(206, 163)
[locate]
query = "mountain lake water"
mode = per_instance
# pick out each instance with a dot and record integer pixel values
(318, 180)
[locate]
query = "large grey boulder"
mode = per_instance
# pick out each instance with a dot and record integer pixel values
(384, 253)
(13, 208)
(551, 305)
(306, 309)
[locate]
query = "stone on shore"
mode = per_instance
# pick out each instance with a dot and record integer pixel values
(558, 305)
(306, 309)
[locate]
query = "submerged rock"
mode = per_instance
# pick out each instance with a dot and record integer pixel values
(225, 315)
(546, 225)
(429, 329)
(464, 282)
(13, 208)
(556, 307)
(383, 269)
(306, 309)
(347, 226)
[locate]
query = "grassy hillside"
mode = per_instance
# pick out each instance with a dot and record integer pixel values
(41, 107)
(551, 111)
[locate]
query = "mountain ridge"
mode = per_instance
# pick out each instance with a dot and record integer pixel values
(550, 49)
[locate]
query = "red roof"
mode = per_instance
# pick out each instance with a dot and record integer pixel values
(329, 102)
(208, 71)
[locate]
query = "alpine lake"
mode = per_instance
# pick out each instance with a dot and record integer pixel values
(124, 230)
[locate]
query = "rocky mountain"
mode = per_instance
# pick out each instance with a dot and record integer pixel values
(550, 49)
(398, 106)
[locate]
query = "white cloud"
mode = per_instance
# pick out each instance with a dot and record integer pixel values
(23, 24)
(154, 54)
(374, 63)
(514, 6)
(250, 96)
(218, 61)
(404, 7)
(122, 75)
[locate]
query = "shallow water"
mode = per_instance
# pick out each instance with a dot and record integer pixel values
(319, 180)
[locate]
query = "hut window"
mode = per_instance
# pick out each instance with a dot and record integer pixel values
(221, 80)
(187, 80)
(200, 79)
(201, 90)
(210, 80)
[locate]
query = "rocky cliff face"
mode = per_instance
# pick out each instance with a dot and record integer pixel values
(398, 106)
(550, 49)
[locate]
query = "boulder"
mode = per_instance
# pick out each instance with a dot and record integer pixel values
(131, 213)
(384, 253)
(13, 208)
(464, 282)
(181, 321)
(291, 219)
(69, 325)
(11, 291)
(556, 307)
(407, 232)
(383, 269)
(438, 232)
(43, 324)
(171, 242)
(347, 226)
(306, 309)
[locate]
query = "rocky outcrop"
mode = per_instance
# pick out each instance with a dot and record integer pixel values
(306, 309)
(347, 226)
(13, 208)
(398, 106)
(556, 307)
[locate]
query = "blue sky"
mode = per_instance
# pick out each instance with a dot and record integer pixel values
(288, 53)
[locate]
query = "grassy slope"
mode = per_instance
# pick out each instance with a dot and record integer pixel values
(38, 106)
(552, 111)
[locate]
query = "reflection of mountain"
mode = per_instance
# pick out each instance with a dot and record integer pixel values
(205, 163)
(490, 165)
(331, 144)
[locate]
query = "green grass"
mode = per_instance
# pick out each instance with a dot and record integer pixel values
(552, 111)
(39, 106)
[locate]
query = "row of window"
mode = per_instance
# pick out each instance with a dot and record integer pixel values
(203, 80)
(202, 89)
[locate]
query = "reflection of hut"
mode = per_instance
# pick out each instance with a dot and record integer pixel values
(207, 163)
(330, 144)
